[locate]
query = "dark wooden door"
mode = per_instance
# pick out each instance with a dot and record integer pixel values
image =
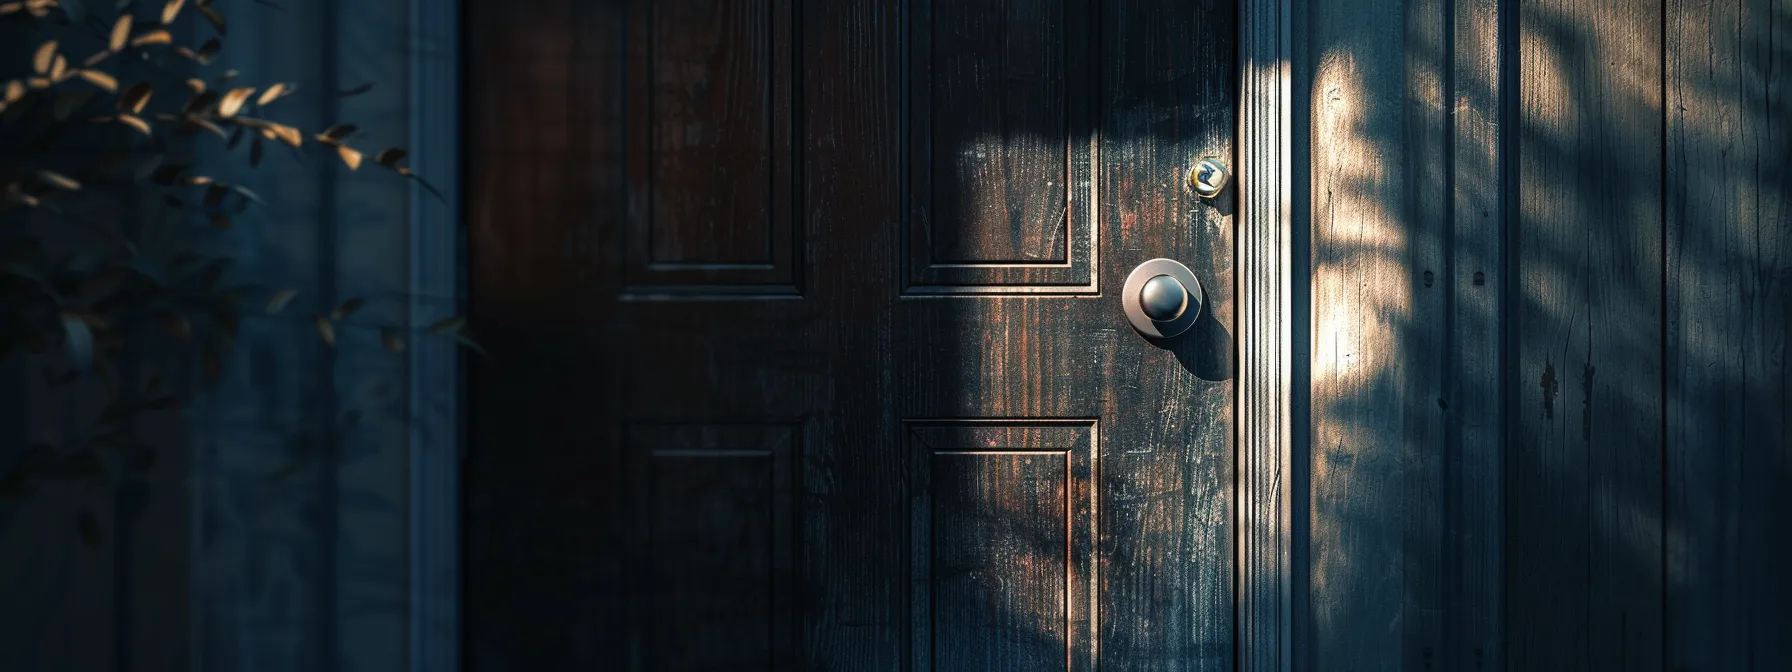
(808, 346)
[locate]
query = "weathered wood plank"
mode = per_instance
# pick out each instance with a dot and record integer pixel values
(1475, 377)
(1418, 345)
(1377, 170)
(1584, 472)
(1729, 283)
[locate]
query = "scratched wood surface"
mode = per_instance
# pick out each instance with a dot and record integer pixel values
(693, 459)
(1374, 361)
(1729, 296)
(1607, 490)
(1585, 457)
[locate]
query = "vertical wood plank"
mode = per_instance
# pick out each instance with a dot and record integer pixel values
(1473, 502)
(1729, 283)
(1418, 342)
(1378, 173)
(1584, 574)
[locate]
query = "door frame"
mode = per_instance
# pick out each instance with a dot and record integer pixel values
(1269, 280)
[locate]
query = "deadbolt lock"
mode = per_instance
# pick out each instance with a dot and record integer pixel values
(1208, 178)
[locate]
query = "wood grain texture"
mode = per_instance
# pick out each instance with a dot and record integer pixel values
(709, 120)
(711, 161)
(1475, 380)
(853, 354)
(1729, 283)
(1002, 535)
(543, 439)
(999, 112)
(1368, 333)
(990, 67)
(712, 512)
(1584, 469)
(1407, 452)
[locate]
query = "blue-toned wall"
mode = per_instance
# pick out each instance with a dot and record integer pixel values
(278, 530)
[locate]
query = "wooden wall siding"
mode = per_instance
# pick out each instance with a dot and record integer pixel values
(1585, 458)
(1552, 270)
(1729, 301)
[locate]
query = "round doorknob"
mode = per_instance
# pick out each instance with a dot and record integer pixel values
(1162, 298)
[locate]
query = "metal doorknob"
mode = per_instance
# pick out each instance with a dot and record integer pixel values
(1162, 298)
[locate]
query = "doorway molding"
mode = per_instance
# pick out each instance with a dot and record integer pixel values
(1268, 281)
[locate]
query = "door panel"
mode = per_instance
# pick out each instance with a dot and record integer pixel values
(809, 349)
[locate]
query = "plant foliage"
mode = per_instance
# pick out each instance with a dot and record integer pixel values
(98, 175)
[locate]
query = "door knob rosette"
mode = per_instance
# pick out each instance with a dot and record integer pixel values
(1162, 298)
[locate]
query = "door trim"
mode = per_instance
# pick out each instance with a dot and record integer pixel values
(436, 277)
(1267, 284)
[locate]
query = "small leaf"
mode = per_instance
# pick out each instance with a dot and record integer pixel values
(214, 17)
(135, 98)
(447, 324)
(347, 308)
(171, 10)
(350, 156)
(390, 156)
(272, 93)
(100, 79)
(280, 299)
(325, 331)
(233, 101)
(97, 58)
(89, 528)
(59, 68)
(349, 93)
(78, 340)
(286, 134)
(214, 195)
(463, 339)
(200, 103)
(134, 122)
(337, 132)
(15, 90)
(227, 76)
(247, 193)
(255, 149)
(197, 85)
(391, 340)
(44, 58)
(121, 32)
(58, 180)
(157, 36)
(209, 50)
(208, 124)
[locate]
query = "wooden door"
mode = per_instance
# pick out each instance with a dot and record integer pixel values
(808, 344)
